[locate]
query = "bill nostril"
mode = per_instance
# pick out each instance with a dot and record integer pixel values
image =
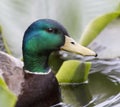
(73, 43)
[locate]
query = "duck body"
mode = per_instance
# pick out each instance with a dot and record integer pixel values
(35, 83)
(39, 91)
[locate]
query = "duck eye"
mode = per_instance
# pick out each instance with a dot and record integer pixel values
(51, 30)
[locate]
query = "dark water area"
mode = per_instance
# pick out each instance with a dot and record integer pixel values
(101, 90)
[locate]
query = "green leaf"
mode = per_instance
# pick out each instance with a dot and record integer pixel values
(7, 98)
(0, 29)
(73, 71)
(96, 26)
(2, 83)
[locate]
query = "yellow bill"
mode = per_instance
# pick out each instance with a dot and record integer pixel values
(72, 46)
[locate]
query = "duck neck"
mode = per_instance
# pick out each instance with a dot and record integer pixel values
(36, 63)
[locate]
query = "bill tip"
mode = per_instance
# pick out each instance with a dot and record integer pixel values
(96, 55)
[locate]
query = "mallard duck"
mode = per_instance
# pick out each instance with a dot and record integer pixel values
(35, 83)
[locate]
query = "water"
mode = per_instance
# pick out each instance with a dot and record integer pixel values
(101, 90)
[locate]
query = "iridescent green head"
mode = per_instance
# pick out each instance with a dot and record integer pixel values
(43, 37)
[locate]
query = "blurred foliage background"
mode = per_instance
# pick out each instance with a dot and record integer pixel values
(17, 15)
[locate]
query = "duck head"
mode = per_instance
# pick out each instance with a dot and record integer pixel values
(43, 37)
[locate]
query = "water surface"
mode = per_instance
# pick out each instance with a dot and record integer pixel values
(101, 90)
